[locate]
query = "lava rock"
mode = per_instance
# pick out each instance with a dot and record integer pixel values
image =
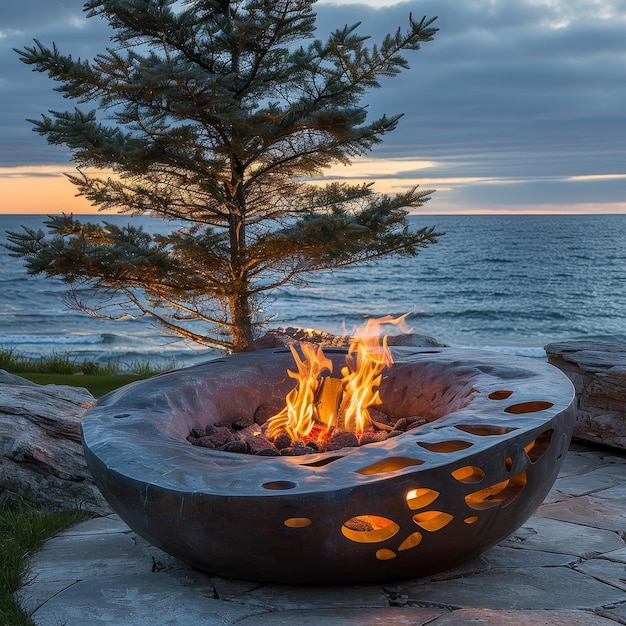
(239, 447)
(416, 423)
(205, 442)
(263, 413)
(254, 437)
(282, 441)
(343, 440)
(374, 436)
(268, 452)
(242, 422)
(221, 436)
(300, 450)
(401, 424)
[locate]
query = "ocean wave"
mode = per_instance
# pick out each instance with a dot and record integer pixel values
(497, 260)
(51, 339)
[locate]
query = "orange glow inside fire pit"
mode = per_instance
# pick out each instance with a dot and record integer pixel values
(322, 405)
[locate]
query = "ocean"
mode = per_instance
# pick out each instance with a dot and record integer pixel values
(511, 283)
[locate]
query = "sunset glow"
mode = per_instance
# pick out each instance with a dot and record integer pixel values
(40, 189)
(44, 189)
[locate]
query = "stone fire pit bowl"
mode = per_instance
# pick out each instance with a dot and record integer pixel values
(421, 502)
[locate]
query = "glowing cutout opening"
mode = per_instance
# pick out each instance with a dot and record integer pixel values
(500, 494)
(411, 541)
(528, 407)
(297, 522)
(385, 555)
(432, 520)
(500, 394)
(445, 446)
(392, 464)
(468, 474)
(484, 430)
(369, 529)
(538, 447)
(419, 498)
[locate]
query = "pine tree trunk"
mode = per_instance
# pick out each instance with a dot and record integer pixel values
(240, 309)
(242, 335)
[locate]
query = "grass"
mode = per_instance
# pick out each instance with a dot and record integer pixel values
(63, 369)
(96, 385)
(22, 531)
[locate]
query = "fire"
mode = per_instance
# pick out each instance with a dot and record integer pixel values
(320, 404)
(299, 416)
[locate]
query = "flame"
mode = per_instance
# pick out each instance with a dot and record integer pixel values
(361, 379)
(298, 418)
(322, 405)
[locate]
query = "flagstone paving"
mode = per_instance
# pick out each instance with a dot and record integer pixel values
(566, 566)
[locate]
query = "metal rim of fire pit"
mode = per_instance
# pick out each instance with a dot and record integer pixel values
(412, 505)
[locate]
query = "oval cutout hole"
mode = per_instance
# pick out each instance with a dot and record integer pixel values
(468, 474)
(389, 465)
(279, 485)
(484, 430)
(322, 462)
(421, 497)
(411, 541)
(369, 528)
(445, 446)
(538, 447)
(432, 520)
(528, 407)
(500, 394)
(500, 494)
(297, 522)
(385, 555)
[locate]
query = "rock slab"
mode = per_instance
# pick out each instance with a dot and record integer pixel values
(598, 372)
(41, 456)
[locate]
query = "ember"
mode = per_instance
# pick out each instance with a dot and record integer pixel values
(252, 439)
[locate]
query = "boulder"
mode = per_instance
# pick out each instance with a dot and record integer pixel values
(41, 455)
(598, 372)
(281, 337)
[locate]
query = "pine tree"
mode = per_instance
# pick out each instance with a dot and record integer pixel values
(214, 113)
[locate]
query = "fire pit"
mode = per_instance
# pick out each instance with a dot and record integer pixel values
(497, 430)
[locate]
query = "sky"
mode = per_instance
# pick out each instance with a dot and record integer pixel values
(515, 107)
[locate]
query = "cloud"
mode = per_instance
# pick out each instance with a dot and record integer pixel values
(598, 177)
(514, 104)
